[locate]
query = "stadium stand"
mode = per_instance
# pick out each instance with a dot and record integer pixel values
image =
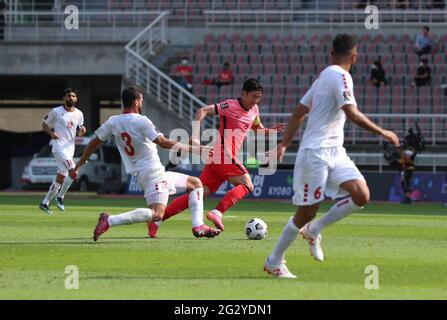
(287, 68)
(284, 63)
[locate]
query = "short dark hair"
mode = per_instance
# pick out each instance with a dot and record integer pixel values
(129, 95)
(427, 28)
(70, 90)
(252, 85)
(343, 44)
(424, 60)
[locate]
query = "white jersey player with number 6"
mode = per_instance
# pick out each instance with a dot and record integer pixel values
(322, 166)
(137, 139)
(67, 121)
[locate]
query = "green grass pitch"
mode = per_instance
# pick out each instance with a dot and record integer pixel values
(408, 244)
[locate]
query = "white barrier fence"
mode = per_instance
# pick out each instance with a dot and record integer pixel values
(435, 161)
(433, 126)
(92, 25)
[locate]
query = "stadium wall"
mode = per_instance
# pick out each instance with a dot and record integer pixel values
(61, 59)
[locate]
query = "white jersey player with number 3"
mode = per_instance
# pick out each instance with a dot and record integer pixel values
(137, 139)
(322, 166)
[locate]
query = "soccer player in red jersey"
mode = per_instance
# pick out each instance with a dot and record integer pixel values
(237, 117)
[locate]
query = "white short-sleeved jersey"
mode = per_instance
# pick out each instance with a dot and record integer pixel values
(332, 90)
(65, 124)
(134, 134)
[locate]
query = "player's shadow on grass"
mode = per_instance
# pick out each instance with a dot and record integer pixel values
(108, 240)
(76, 241)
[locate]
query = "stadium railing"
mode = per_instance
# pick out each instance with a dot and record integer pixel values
(185, 11)
(93, 25)
(433, 126)
(434, 161)
(141, 72)
(332, 19)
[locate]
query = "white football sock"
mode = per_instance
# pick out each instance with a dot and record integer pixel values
(54, 188)
(195, 201)
(135, 216)
(217, 212)
(286, 238)
(65, 186)
(339, 211)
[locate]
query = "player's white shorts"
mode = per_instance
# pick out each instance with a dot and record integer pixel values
(64, 163)
(319, 172)
(159, 190)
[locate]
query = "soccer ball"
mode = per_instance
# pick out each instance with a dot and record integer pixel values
(256, 229)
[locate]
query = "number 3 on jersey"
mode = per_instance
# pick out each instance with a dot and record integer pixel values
(128, 147)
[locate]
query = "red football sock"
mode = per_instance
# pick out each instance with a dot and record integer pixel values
(232, 197)
(175, 207)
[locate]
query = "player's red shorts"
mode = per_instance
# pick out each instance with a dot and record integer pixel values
(213, 175)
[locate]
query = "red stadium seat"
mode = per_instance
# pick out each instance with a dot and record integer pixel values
(269, 69)
(278, 102)
(282, 69)
(225, 92)
(199, 90)
(406, 38)
(278, 79)
(211, 48)
(291, 101)
(204, 69)
(215, 68)
(266, 48)
(306, 59)
(321, 59)
(225, 48)
(294, 59)
(391, 39)
(240, 58)
(211, 90)
(397, 104)
(213, 58)
(243, 69)
(268, 59)
(198, 48)
(253, 58)
(209, 38)
(251, 48)
(378, 38)
(308, 69)
(228, 58)
(256, 69)
(262, 39)
(200, 58)
(238, 48)
(276, 39)
(296, 69)
(281, 59)
(278, 49)
(235, 38)
(249, 39)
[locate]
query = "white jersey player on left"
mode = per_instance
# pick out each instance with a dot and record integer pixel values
(67, 121)
(137, 139)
